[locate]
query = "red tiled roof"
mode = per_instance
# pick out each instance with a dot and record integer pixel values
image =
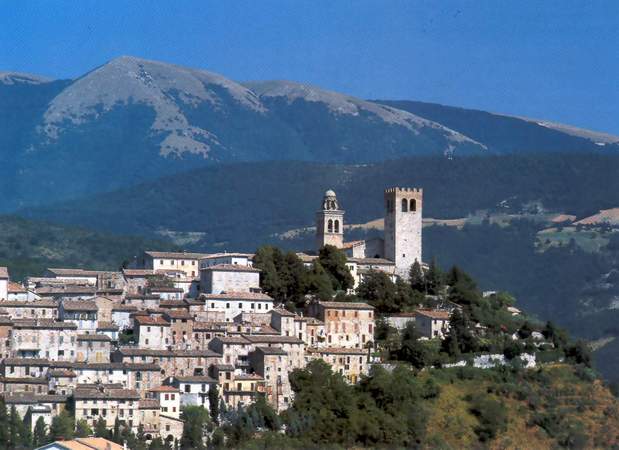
(434, 314)
(151, 320)
(238, 296)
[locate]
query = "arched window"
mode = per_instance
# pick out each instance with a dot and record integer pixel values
(337, 226)
(330, 226)
(413, 205)
(404, 205)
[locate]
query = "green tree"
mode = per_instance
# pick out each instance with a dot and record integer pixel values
(4, 430)
(319, 282)
(213, 403)
(82, 429)
(157, 444)
(415, 351)
(434, 278)
(378, 290)
(196, 418)
(101, 429)
(333, 260)
(40, 433)
(460, 337)
(62, 427)
(416, 278)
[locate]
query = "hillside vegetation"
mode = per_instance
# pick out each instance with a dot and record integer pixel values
(29, 247)
(242, 206)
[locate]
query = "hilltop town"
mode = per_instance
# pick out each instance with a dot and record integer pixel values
(131, 351)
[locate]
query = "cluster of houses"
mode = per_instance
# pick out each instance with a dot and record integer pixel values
(139, 344)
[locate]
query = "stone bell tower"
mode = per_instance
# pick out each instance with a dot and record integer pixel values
(330, 222)
(403, 213)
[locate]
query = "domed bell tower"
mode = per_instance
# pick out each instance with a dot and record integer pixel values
(330, 222)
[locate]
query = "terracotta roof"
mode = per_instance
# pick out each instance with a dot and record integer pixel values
(77, 272)
(402, 314)
(256, 339)
(79, 305)
(337, 350)
(26, 362)
(115, 366)
(93, 337)
(149, 403)
(170, 304)
(4, 272)
(124, 308)
(346, 305)
(237, 340)
(62, 373)
(138, 272)
(24, 380)
(238, 296)
(121, 394)
(33, 304)
(283, 312)
(15, 288)
(196, 379)
(164, 388)
(434, 314)
(271, 350)
(231, 268)
(27, 398)
(43, 324)
(166, 289)
(151, 320)
(132, 351)
(175, 255)
(107, 326)
(179, 315)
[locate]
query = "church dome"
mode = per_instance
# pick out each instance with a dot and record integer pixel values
(330, 193)
(329, 202)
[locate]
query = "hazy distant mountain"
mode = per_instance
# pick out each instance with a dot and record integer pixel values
(132, 120)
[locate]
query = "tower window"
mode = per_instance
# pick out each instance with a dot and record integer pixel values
(404, 205)
(337, 226)
(330, 226)
(413, 205)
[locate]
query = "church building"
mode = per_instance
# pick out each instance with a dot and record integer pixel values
(401, 245)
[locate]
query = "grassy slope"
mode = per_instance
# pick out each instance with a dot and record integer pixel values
(557, 392)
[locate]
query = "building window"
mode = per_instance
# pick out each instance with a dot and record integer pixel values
(337, 226)
(330, 226)
(413, 205)
(404, 205)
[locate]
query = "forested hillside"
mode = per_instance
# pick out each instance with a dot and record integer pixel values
(27, 247)
(241, 206)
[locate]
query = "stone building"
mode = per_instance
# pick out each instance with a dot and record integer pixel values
(152, 332)
(229, 305)
(432, 323)
(194, 389)
(273, 364)
(43, 339)
(39, 309)
(346, 324)
(401, 245)
(162, 261)
(83, 313)
(169, 400)
(93, 348)
(92, 403)
(4, 283)
(351, 363)
(222, 278)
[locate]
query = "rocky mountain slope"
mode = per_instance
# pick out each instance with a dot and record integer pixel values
(132, 120)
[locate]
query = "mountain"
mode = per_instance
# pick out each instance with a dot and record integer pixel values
(132, 120)
(508, 134)
(244, 204)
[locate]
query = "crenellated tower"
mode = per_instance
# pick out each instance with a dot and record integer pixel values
(330, 222)
(403, 214)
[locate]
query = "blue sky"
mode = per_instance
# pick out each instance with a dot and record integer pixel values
(557, 60)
